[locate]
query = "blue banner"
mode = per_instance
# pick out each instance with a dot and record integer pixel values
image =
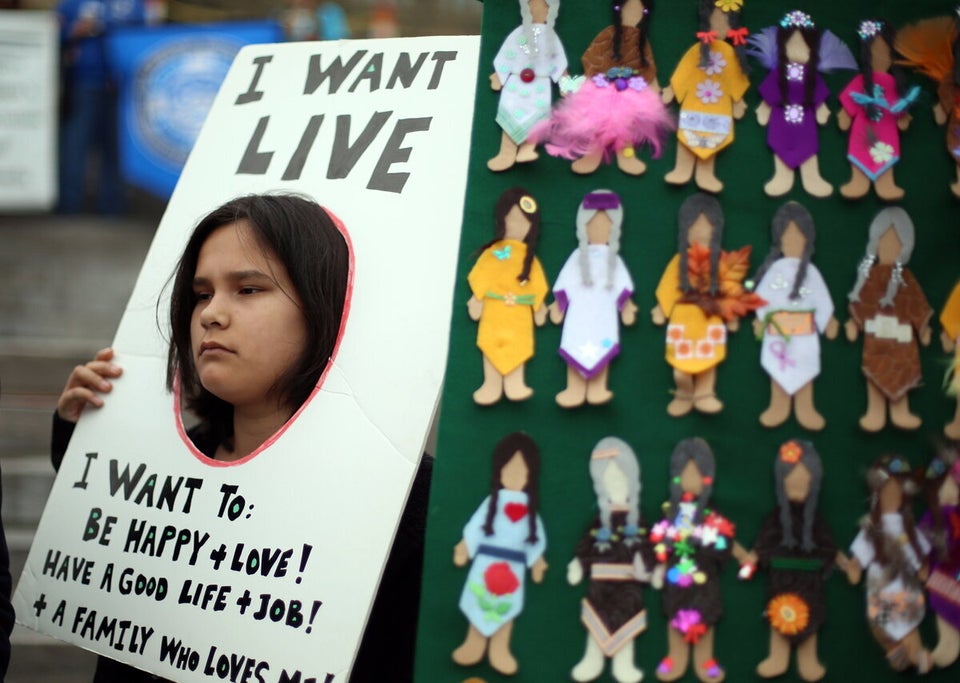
(168, 77)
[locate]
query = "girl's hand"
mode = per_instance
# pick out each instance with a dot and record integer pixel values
(86, 383)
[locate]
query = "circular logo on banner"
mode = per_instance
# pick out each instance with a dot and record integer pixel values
(175, 88)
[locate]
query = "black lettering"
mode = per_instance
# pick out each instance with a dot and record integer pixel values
(441, 58)
(370, 73)
(393, 153)
(337, 72)
(255, 162)
(344, 155)
(252, 94)
(299, 158)
(82, 484)
(404, 72)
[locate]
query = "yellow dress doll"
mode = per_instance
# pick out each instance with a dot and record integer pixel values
(950, 322)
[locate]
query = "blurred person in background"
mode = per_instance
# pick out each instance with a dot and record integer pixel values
(311, 20)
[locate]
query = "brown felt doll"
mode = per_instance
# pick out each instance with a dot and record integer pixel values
(797, 311)
(504, 537)
(889, 308)
(894, 555)
(692, 543)
(795, 547)
(508, 288)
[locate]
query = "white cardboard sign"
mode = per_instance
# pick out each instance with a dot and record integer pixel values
(265, 571)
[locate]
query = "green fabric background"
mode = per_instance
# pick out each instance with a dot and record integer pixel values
(548, 638)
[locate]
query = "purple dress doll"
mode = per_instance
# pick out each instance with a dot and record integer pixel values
(794, 97)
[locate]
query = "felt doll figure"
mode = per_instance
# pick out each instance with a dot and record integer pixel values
(941, 525)
(796, 549)
(503, 538)
(692, 543)
(709, 84)
(700, 297)
(949, 336)
(893, 553)
(591, 292)
(617, 106)
(798, 310)
(794, 97)
(509, 288)
(889, 308)
(932, 47)
(529, 59)
(874, 110)
(619, 559)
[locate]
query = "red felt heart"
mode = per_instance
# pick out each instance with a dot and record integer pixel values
(515, 511)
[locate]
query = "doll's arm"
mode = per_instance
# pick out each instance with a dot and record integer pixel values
(739, 109)
(666, 95)
(925, 334)
(657, 315)
(842, 561)
(460, 554)
(538, 569)
(833, 328)
(823, 114)
(757, 327)
(556, 313)
(949, 343)
(733, 325)
(741, 554)
(843, 120)
(904, 121)
(939, 115)
(853, 570)
(474, 308)
(924, 572)
(495, 82)
(540, 316)
(628, 314)
(763, 113)
(656, 579)
(574, 572)
(852, 329)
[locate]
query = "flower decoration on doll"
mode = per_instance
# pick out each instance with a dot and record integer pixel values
(790, 452)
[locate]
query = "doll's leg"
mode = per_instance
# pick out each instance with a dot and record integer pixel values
(506, 157)
(471, 650)
(812, 181)
(704, 664)
(858, 185)
(948, 644)
(682, 402)
(782, 180)
(515, 387)
(704, 392)
(779, 409)
(806, 413)
(629, 163)
(597, 392)
(623, 669)
(952, 429)
(587, 164)
(674, 665)
(887, 187)
(526, 153)
(901, 416)
(808, 663)
(590, 665)
(706, 176)
(492, 388)
(876, 415)
(778, 660)
(683, 169)
(499, 655)
(919, 656)
(575, 393)
(955, 188)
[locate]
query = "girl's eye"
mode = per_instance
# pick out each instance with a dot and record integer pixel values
(249, 290)
(202, 296)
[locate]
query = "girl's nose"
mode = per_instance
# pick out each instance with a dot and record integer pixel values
(214, 312)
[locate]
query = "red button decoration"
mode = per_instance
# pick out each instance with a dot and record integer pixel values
(527, 75)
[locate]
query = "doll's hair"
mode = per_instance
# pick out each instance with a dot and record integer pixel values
(584, 216)
(697, 451)
(503, 452)
(553, 7)
(795, 213)
(956, 46)
(888, 34)
(509, 199)
(783, 467)
(692, 208)
(616, 6)
(946, 463)
(627, 461)
(885, 469)
(899, 220)
(303, 238)
(811, 36)
(704, 11)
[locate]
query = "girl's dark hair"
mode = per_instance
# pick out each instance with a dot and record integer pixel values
(300, 235)
(888, 33)
(616, 7)
(795, 213)
(503, 452)
(509, 199)
(704, 11)
(811, 36)
(810, 459)
(881, 473)
(690, 211)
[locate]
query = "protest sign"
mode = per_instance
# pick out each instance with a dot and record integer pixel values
(264, 570)
(28, 110)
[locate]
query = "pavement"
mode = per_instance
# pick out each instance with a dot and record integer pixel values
(66, 281)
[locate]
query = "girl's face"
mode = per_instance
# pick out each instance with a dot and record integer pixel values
(515, 474)
(516, 224)
(247, 327)
(598, 228)
(889, 247)
(797, 49)
(792, 241)
(631, 13)
(700, 232)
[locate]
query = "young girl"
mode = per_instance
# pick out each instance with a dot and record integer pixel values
(255, 316)
(592, 291)
(893, 553)
(888, 306)
(508, 289)
(504, 537)
(797, 312)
